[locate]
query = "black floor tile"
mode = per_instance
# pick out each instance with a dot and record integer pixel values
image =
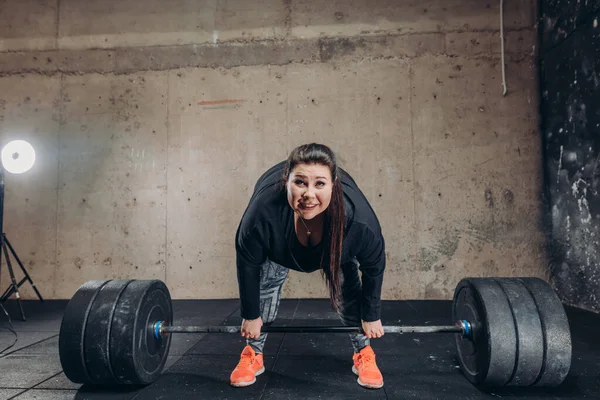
(424, 370)
(439, 377)
(304, 309)
(26, 371)
(204, 377)
(181, 343)
(431, 308)
(287, 308)
(59, 381)
(392, 312)
(87, 392)
(585, 327)
(171, 360)
(582, 317)
(24, 339)
(415, 344)
(40, 316)
(204, 312)
(584, 375)
(429, 369)
(47, 394)
(309, 377)
(316, 344)
(232, 344)
(319, 309)
(6, 394)
(47, 346)
(412, 312)
(200, 313)
(585, 343)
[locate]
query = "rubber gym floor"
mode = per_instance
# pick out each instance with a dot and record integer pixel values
(298, 366)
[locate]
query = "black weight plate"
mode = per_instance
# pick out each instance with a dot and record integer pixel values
(488, 360)
(72, 331)
(530, 355)
(97, 332)
(472, 352)
(556, 330)
(137, 357)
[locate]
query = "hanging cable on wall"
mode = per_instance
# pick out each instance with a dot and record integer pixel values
(502, 45)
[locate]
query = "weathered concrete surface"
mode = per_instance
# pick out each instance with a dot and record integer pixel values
(28, 25)
(570, 83)
(477, 178)
(117, 23)
(160, 117)
(228, 55)
(112, 194)
(336, 18)
(88, 24)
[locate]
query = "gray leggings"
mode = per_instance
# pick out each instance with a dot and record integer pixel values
(272, 278)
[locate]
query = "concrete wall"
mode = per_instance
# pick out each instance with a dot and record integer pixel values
(153, 119)
(570, 83)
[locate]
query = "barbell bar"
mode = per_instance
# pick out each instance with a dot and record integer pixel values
(161, 329)
(508, 332)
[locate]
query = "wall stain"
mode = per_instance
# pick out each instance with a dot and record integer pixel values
(445, 248)
(427, 258)
(331, 48)
(489, 198)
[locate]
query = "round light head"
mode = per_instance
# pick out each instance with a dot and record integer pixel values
(18, 156)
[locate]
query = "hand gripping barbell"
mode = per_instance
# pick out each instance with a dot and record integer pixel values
(508, 332)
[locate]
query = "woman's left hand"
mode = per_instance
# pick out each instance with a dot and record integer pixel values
(373, 329)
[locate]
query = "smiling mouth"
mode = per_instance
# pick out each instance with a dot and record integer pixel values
(308, 207)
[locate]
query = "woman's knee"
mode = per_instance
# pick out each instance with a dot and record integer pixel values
(272, 275)
(272, 279)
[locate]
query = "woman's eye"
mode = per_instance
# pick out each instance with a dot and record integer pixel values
(298, 182)
(320, 183)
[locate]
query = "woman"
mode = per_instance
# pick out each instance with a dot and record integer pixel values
(307, 214)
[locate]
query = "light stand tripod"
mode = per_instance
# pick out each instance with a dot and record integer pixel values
(4, 247)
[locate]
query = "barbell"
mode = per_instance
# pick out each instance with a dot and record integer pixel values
(508, 332)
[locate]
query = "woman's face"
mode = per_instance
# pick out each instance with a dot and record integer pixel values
(309, 188)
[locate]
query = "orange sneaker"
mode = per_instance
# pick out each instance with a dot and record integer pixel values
(365, 367)
(250, 366)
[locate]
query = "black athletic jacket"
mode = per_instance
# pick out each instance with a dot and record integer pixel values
(266, 230)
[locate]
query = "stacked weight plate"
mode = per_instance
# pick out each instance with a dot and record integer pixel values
(520, 333)
(105, 337)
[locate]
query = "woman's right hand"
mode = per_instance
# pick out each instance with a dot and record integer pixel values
(251, 328)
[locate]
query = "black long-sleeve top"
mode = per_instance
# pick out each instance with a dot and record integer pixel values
(266, 230)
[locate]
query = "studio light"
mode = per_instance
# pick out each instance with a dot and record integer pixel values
(17, 157)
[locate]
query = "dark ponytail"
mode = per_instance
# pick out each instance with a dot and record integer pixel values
(314, 153)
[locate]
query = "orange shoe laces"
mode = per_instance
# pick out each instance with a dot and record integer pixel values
(246, 360)
(367, 360)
